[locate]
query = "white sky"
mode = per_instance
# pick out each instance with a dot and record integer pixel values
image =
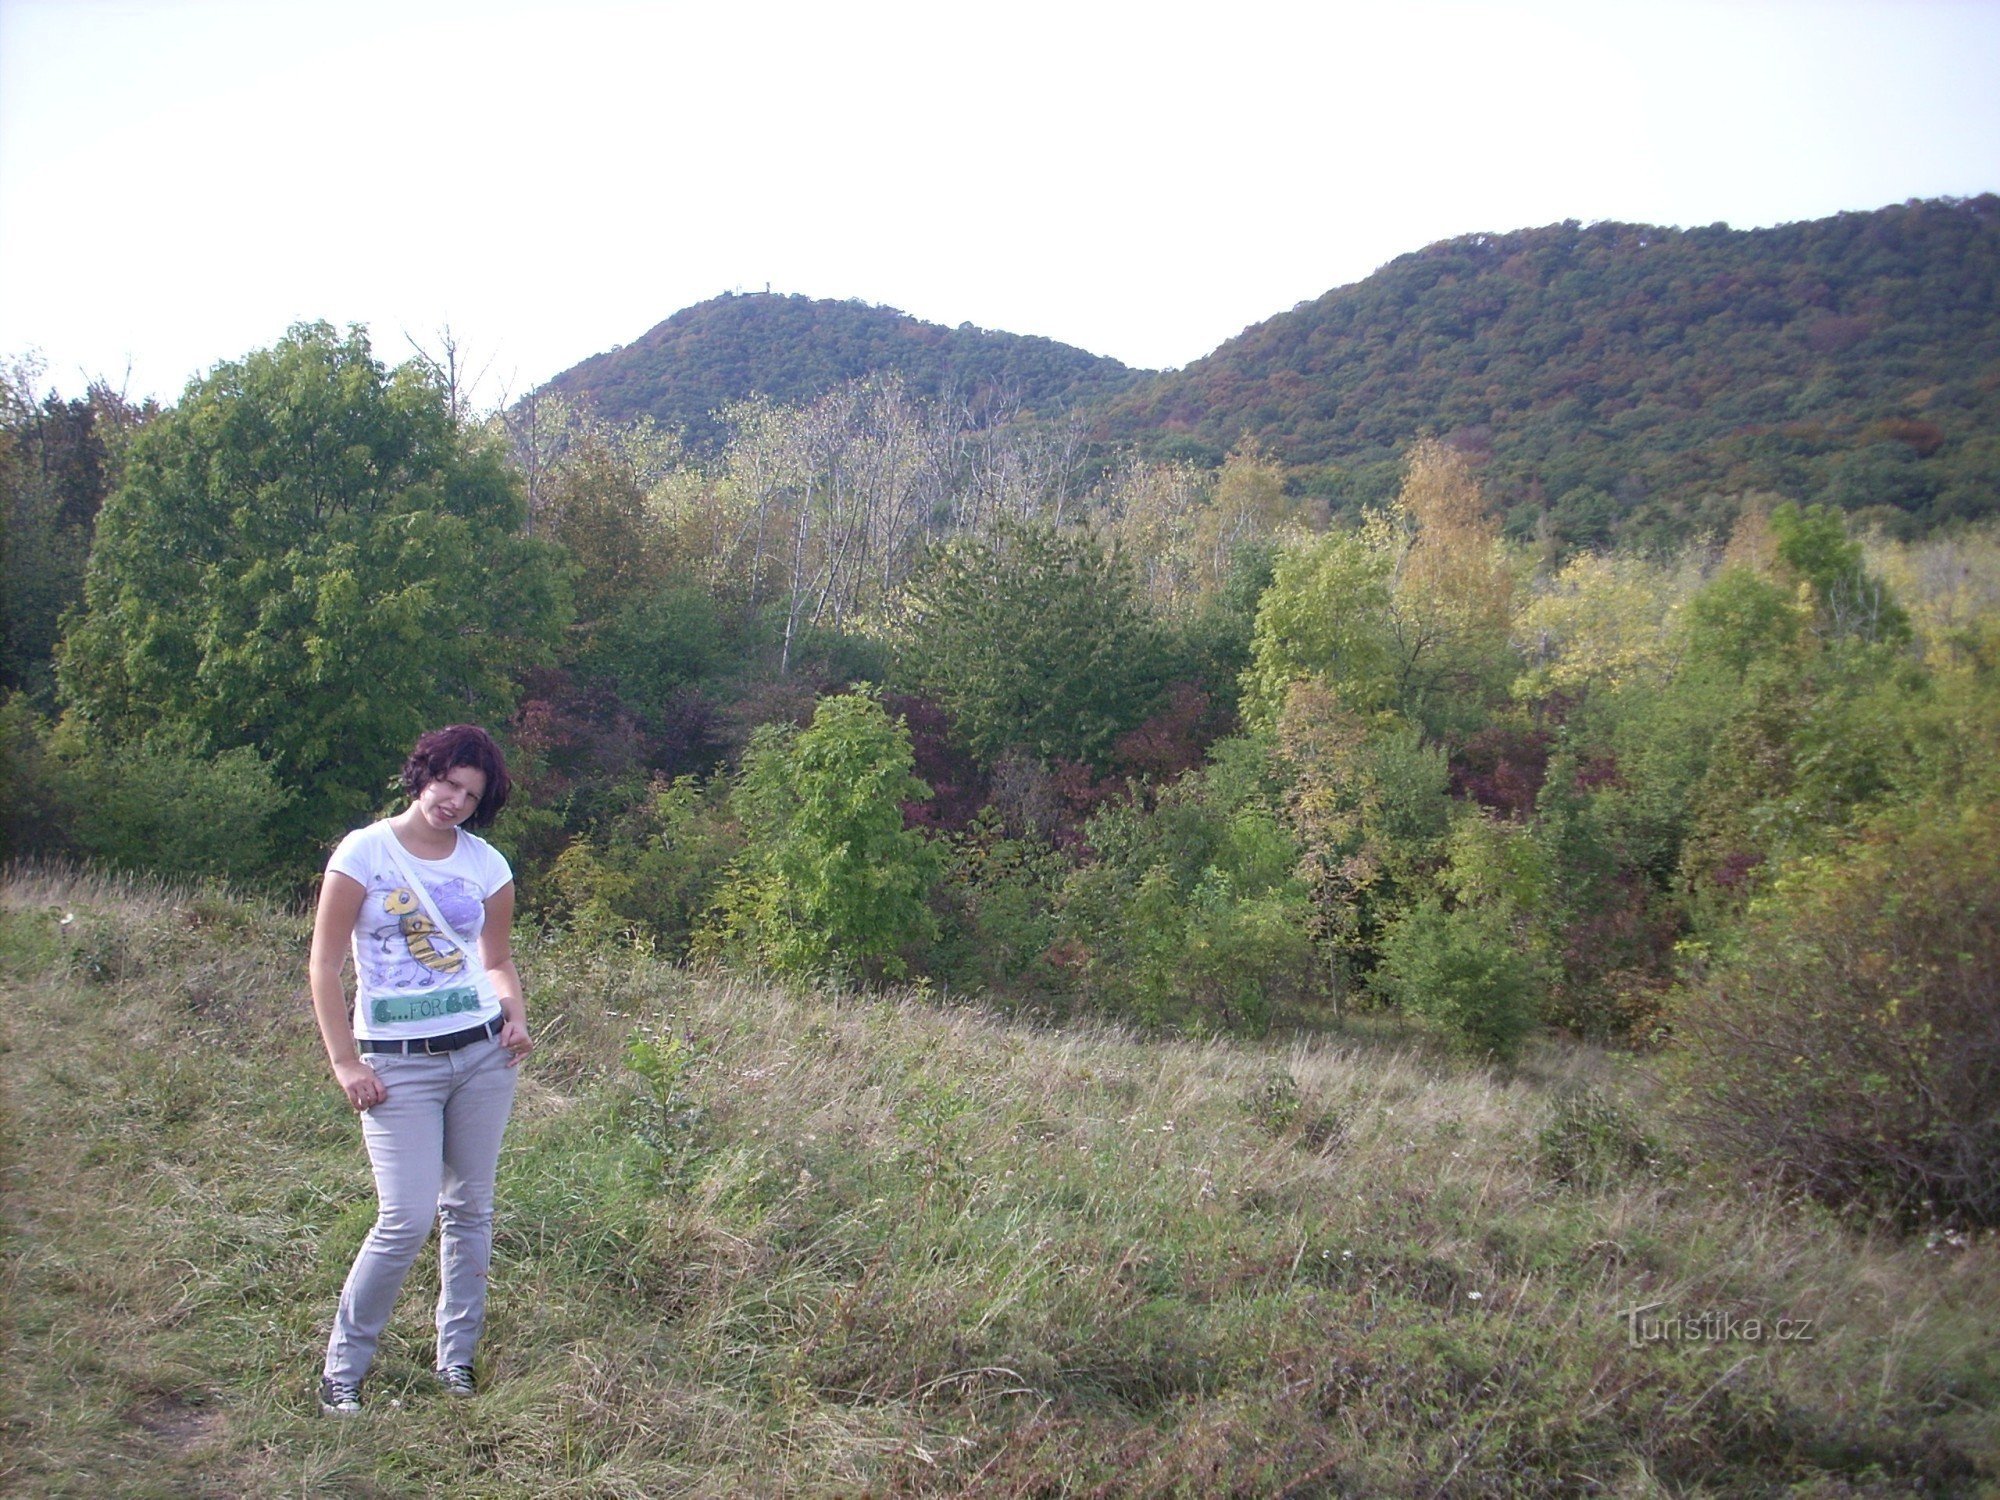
(182, 179)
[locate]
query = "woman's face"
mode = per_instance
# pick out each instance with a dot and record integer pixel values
(452, 798)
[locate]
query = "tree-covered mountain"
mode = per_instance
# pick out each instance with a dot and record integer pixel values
(793, 348)
(1611, 380)
(1614, 374)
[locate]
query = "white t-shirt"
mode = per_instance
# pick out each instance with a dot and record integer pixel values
(412, 980)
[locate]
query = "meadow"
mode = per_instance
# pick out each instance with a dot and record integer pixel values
(759, 1240)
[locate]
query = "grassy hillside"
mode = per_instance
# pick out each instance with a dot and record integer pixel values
(816, 1245)
(794, 349)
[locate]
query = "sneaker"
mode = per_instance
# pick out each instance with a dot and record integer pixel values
(339, 1398)
(457, 1380)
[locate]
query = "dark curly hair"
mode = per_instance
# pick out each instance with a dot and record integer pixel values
(444, 750)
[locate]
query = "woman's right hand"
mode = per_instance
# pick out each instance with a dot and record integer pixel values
(358, 1081)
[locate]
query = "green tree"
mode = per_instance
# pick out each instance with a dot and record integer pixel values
(1410, 611)
(1367, 805)
(831, 881)
(57, 461)
(1737, 619)
(590, 494)
(308, 557)
(1033, 638)
(1853, 602)
(1324, 618)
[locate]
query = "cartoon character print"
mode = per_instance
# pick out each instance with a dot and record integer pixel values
(418, 931)
(410, 952)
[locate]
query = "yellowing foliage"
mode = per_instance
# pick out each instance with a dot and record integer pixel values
(1601, 622)
(1453, 582)
(1950, 585)
(1149, 511)
(1183, 528)
(1410, 608)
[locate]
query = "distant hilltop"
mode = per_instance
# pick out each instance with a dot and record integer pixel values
(793, 348)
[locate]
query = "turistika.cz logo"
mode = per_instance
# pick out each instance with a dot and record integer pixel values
(1645, 1325)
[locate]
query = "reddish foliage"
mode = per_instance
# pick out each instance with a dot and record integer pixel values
(1732, 870)
(686, 737)
(777, 700)
(1050, 803)
(1616, 962)
(567, 732)
(1502, 768)
(958, 788)
(1833, 334)
(1553, 709)
(1080, 793)
(573, 731)
(1921, 437)
(1171, 742)
(1630, 929)
(1067, 956)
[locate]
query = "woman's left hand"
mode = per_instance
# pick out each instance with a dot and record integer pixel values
(514, 1037)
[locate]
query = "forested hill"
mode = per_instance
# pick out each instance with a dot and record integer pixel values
(1618, 368)
(793, 348)
(1614, 381)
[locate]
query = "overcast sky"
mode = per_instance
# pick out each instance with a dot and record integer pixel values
(182, 179)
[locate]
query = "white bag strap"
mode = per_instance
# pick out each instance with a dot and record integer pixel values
(417, 888)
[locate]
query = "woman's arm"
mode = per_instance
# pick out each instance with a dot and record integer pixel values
(340, 898)
(496, 952)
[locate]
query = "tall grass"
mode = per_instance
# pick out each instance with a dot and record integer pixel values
(765, 1242)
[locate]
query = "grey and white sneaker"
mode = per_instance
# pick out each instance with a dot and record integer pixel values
(339, 1398)
(457, 1380)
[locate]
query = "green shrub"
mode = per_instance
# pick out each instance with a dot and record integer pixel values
(997, 898)
(652, 873)
(1460, 969)
(157, 807)
(673, 1120)
(149, 805)
(30, 819)
(1851, 1044)
(831, 883)
(1191, 916)
(1217, 958)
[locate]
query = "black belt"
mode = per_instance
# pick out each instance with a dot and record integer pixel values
(450, 1042)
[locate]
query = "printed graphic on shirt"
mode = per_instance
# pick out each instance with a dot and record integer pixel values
(388, 1010)
(418, 930)
(409, 951)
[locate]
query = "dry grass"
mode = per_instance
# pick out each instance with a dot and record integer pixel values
(841, 1245)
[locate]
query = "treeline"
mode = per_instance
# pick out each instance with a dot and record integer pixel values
(876, 693)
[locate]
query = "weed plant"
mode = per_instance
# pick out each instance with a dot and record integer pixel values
(765, 1242)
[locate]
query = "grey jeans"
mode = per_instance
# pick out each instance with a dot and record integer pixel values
(435, 1145)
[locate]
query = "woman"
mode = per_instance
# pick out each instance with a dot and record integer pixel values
(428, 1059)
